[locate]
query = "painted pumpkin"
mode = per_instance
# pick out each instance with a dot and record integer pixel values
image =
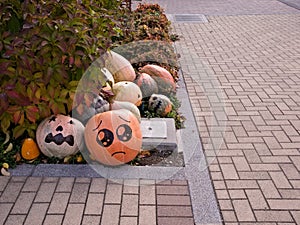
(126, 91)
(113, 137)
(163, 78)
(29, 150)
(60, 136)
(120, 67)
(160, 104)
(147, 84)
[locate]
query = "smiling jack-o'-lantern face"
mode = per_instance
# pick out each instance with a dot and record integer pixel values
(59, 136)
(113, 137)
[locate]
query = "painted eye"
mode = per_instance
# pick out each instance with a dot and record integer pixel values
(71, 122)
(124, 133)
(105, 138)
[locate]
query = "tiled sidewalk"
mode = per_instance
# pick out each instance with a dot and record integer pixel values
(71, 201)
(243, 77)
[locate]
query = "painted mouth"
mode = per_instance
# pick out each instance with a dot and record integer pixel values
(118, 153)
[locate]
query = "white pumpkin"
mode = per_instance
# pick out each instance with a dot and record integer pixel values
(60, 136)
(126, 91)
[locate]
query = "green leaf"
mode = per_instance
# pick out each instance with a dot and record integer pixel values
(18, 131)
(5, 121)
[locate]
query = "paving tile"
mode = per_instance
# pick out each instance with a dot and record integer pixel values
(219, 184)
(113, 193)
(174, 221)
(73, 214)
(290, 193)
(45, 192)
(130, 205)
(32, 184)
(94, 204)
(284, 204)
(280, 180)
(15, 219)
(237, 194)
(131, 186)
(296, 161)
(252, 157)
(147, 215)
(256, 175)
(23, 203)
(4, 212)
(128, 220)
(222, 194)
(229, 171)
(175, 190)
(225, 204)
(3, 182)
(229, 216)
(36, 214)
(243, 210)
(273, 216)
(147, 195)
(110, 215)
(296, 216)
(295, 183)
(238, 184)
(91, 220)
(98, 185)
(268, 188)
(256, 199)
(275, 159)
(79, 193)
(174, 211)
(59, 203)
(65, 184)
(290, 171)
(11, 192)
(53, 219)
(241, 163)
(265, 167)
(173, 200)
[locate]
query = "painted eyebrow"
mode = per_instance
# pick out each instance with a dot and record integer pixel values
(124, 119)
(98, 126)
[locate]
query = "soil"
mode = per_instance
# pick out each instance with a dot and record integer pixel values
(159, 158)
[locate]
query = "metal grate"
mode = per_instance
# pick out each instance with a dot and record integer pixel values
(194, 18)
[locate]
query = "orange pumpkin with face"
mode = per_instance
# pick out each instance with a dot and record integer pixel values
(113, 137)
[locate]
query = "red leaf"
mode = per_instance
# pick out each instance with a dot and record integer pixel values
(19, 99)
(17, 116)
(32, 113)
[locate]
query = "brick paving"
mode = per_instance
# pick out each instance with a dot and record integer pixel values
(66, 200)
(243, 77)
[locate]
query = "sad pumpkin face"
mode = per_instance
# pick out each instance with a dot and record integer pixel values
(113, 137)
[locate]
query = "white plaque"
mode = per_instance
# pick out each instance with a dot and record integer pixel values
(154, 129)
